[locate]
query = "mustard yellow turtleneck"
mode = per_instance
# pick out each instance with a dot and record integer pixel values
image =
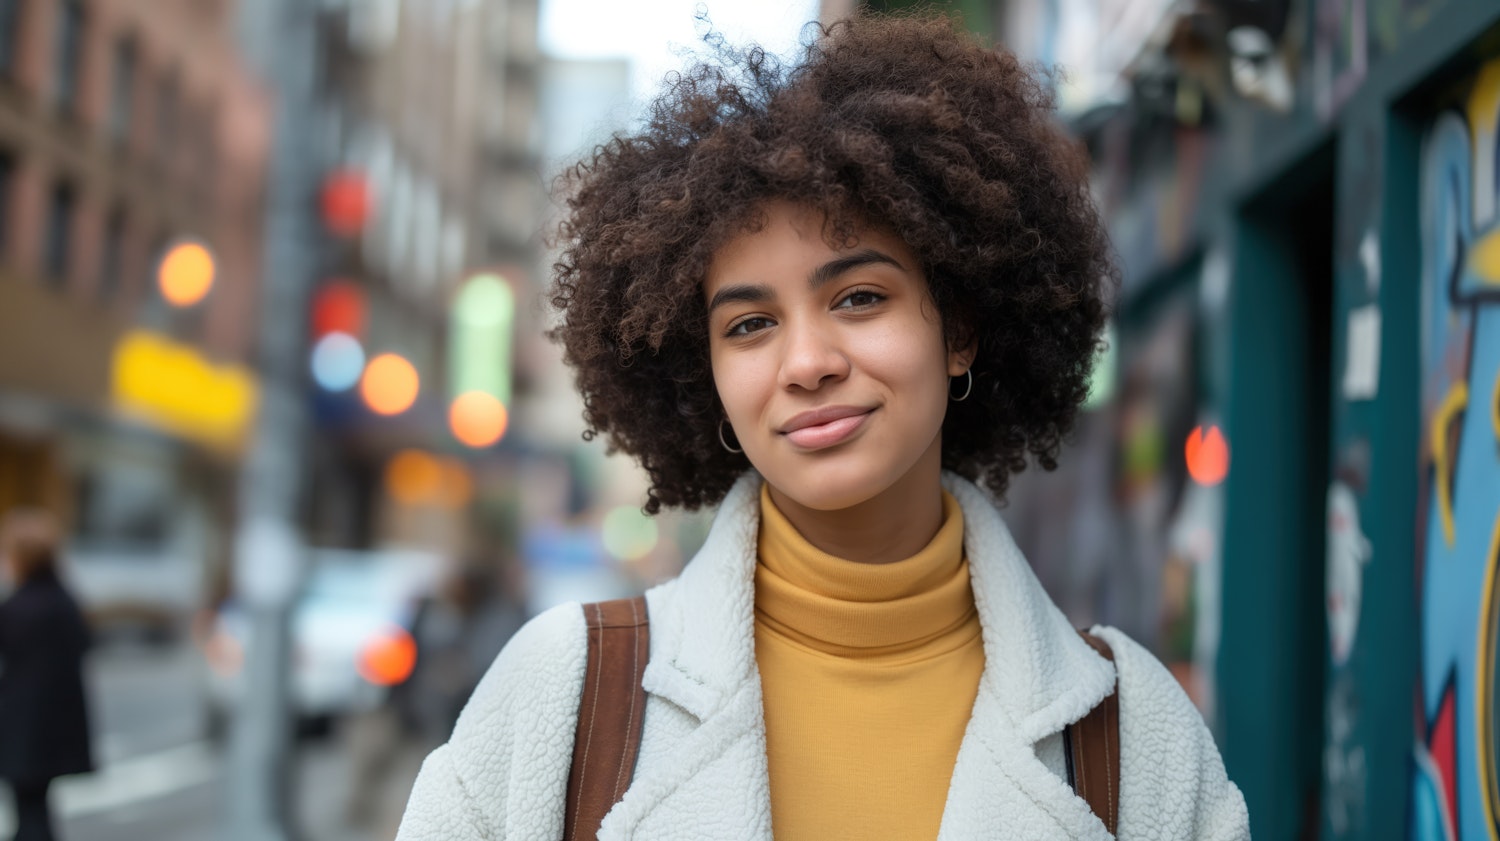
(869, 673)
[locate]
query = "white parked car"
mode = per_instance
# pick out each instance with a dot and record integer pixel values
(351, 634)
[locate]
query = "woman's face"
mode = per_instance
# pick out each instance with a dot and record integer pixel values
(830, 363)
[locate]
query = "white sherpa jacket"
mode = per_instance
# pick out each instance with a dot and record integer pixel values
(702, 767)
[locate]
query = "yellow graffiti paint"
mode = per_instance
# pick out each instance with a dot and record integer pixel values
(1484, 101)
(1484, 260)
(1485, 652)
(1495, 407)
(1489, 781)
(1442, 460)
(1483, 108)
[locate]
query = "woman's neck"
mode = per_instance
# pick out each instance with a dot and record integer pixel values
(891, 526)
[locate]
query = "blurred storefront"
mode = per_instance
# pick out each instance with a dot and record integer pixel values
(1288, 486)
(127, 129)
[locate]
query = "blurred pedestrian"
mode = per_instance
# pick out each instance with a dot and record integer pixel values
(44, 726)
(843, 301)
(459, 630)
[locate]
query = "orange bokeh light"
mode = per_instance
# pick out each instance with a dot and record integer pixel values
(458, 487)
(388, 657)
(389, 385)
(413, 477)
(186, 274)
(478, 419)
(1207, 456)
(416, 478)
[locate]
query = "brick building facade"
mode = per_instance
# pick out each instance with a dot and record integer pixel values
(125, 126)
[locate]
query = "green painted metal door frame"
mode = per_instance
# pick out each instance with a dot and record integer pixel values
(1270, 660)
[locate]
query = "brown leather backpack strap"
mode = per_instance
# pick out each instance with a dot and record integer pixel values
(610, 713)
(1092, 745)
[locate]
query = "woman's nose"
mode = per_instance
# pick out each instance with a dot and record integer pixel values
(811, 356)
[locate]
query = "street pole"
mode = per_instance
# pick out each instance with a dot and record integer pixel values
(268, 549)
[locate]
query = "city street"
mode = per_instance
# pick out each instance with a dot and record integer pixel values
(161, 779)
(350, 335)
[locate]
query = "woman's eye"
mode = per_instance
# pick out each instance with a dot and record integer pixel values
(861, 298)
(748, 326)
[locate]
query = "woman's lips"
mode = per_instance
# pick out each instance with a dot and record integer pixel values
(819, 436)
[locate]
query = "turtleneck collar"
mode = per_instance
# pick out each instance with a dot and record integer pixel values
(853, 609)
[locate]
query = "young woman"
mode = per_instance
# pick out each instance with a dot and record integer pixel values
(837, 300)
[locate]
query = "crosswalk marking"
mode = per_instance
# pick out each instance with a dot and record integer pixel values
(127, 781)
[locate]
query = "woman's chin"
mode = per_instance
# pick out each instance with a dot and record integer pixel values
(827, 488)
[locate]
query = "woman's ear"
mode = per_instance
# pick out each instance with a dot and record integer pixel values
(962, 351)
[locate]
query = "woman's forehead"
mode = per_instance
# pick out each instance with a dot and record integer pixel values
(800, 229)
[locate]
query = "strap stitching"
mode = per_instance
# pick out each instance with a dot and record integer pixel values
(593, 707)
(1079, 758)
(630, 719)
(1110, 764)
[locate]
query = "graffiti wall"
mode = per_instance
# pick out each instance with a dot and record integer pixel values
(1454, 790)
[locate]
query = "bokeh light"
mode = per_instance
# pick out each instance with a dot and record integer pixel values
(417, 478)
(478, 419)
(1207, 456)
(389, 385)
(457, 487)
(627, 533)
(186, 274)
(337, 361)
(480, 337)
(413, 477)
(173, 386)
(339, 307)
(388, 657)
(345, 202)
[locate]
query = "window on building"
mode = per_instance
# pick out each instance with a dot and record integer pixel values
(7, 180)
(67, 54)
(9, 18)
(122, 90)
(205, 155)
(168, 102)
(111, 268)
(155, 313)
(58, 246)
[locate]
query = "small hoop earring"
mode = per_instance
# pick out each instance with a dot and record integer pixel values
(968, 387)
(726, 443)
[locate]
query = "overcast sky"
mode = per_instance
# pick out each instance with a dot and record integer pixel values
(647, 31)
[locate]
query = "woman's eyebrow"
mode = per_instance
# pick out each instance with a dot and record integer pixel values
(757, 293)
(833, 268)
(741, 292)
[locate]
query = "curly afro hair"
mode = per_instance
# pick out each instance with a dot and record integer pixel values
(908, 123)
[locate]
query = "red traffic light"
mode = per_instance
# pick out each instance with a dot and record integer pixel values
(345, 202)
(339, 307)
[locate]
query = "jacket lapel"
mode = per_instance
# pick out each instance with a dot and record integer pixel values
(703, 662)
(1039, 676)
(715, 785)
(1000, 789)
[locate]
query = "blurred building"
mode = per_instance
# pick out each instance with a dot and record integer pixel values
(1289, 484)
(431, 113)
(126, 128)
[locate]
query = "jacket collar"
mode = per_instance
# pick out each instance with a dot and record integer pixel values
(1040, 674)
